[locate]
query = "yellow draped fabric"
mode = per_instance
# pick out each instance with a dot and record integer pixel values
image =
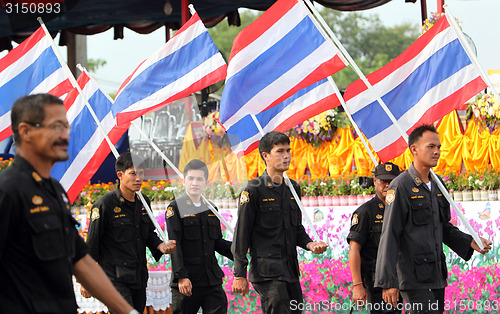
(452, 142)
(475, 150)
(341, 154)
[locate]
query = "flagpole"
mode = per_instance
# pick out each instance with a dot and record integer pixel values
(393, 119)
(179, 173)
(468, 50)
(290, 186)
(99, 125)
(358, 131)
(353, 64)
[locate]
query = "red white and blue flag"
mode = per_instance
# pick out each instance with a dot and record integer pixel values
(30, 68)
(427, 81)
(305, 104)
(187, 63)
(278, 54)
(87, 146)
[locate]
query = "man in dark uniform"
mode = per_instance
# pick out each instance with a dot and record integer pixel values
(363, 239)
(40, 248)
(416, 224)
(119, 231)
(270, 225)
(196, 276)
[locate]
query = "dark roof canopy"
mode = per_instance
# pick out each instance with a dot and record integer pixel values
(143, 16)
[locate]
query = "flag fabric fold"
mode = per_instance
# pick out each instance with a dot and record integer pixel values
(305, 104)
(187, 63)
(278, 54)
(87, 147)
(30, 68)
(427, 81)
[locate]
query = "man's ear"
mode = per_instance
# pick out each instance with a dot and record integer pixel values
(413, 149)
(119, 174)
(23, 129)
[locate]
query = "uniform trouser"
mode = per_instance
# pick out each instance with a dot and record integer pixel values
(212, 300)
(424, 300)
(135, 297)
(376, 303)
(279, 297)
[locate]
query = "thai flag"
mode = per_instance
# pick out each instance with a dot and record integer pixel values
(306, 103)
(187, 63)
(278, 54)
(427, 81)
(87, 147)
(30, 68)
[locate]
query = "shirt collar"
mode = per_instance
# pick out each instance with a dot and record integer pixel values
(414, 175)
(26, 167)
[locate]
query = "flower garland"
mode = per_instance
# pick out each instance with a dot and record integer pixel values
(486, 111)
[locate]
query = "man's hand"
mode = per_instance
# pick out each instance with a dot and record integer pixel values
(185, 286)
(391, 296)
(317, 247)
(486, 243)
(168, 248)
(359, 296)
(240, 285)
(85, 293)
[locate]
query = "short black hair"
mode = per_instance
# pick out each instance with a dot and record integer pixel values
(196, 164)
(416, 134)
(272, 138)
(126, 161)
(30, 109)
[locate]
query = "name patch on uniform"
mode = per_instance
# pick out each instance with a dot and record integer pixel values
(95, 214)
(268, 199)
(390, 196)
(244, 198)
(354, 220)
(415, 190)
(39, 209)
(170, 212)
(37, 200)
(117, 209)
(119, 215)
(211, 215)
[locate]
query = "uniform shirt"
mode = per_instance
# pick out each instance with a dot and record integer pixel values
(416, 224)
(38, 243)
(198, 235)
(118, 234)
(270, 224)
(366, 226)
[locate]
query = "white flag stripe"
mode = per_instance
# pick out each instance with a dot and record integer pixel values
(292, 77)
(434, 95)
(268, 39)
(398, 76)
(178, 85)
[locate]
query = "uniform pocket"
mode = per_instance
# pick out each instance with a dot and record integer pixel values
(214, 229)
(122, 231)
(270, 216)
(126, 271)
(193, 266)
(192, 230)
(269, 266)
(47, 237)
(421, 212)
(444, 209)
(425, 267)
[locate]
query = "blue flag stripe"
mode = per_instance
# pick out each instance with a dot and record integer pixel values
(451, 58)
(166, 71)
(274, 62)
(26, 81)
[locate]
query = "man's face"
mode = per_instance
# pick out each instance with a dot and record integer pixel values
(381, 188)
(49, 140)
(279, 158)
(195, 182)
(427, 149)
(131, 179)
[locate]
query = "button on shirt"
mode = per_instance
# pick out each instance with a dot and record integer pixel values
(416, 224)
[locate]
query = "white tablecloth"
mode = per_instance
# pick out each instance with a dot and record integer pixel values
(158, 294)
